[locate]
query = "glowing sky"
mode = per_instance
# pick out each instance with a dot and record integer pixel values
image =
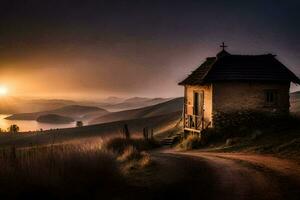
(133, 48)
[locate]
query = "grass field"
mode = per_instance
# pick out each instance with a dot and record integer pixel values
(91, 162)
(91, 132)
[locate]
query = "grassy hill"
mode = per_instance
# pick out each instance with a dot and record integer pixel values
(134, 103)
(10, 104)
(173, 105)
(54, 119)
(91, 132)
(73, 111)
(160, 118)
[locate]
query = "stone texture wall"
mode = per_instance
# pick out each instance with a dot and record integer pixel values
(228, 97)
(234, 96)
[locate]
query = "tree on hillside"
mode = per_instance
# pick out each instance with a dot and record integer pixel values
(79, 123)
(13, 128)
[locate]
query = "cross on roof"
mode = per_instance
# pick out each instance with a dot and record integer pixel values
(223, 46)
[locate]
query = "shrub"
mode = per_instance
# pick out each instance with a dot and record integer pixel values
(232, 141)
(13, 128)
(129, 154)
(242, 123)
(145, 161)
(118, 145)
(191, 142)
(209, 135)
(133, 159)
(79, 123)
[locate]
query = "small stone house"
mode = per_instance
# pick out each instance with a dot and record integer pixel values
(230, 83)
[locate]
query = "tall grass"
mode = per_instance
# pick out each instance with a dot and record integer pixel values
(118, 145)
(191, 142)
(58, 172)
(132, 152)
(63, 171)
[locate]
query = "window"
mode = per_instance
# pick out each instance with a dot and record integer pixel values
(271, 97)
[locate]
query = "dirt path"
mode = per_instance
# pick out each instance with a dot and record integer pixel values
(200, 175)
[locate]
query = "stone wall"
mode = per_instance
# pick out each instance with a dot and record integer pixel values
(234, 96)
(226, 97)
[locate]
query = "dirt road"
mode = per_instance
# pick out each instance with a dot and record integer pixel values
(200, 175)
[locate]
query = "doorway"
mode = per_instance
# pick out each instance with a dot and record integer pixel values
(198, 103)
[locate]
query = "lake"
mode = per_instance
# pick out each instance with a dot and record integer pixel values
(31, 125)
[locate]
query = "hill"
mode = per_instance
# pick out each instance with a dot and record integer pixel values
(73, 111)
(54, 119)
(135, 102)
(174, 105)
(91, 133)
(10, 104)
(137, 99)
(112, 100)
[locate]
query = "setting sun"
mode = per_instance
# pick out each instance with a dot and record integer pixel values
(3, 90)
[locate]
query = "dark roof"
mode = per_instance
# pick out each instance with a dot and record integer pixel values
(228, 67)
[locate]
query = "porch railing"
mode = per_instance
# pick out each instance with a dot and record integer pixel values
(193, 122)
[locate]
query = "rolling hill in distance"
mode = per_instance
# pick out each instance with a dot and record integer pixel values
(171, 106)
(159, 117)
(54, 119)
(9, 105)
(73, 111)
(95, 115)
(91, 132)
(135, 102)
(14, 105)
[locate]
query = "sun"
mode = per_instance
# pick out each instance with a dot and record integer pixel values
(3, 90)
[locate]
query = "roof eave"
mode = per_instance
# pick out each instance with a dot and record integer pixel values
(296, 81)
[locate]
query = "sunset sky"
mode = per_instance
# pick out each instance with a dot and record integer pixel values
(83, 49)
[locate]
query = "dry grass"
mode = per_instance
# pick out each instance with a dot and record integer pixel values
(70, 170)
(191, 142)
(145, 161)
(134, 159)
(58, 172)
(131, 153)
(119, 145)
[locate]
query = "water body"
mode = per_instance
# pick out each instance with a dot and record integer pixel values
(31, 125)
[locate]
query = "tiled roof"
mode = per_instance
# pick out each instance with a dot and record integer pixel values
(240, 68)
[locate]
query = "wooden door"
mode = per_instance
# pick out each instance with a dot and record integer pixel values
(198, 103)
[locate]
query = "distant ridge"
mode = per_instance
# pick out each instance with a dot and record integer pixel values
(167, 107)
(136, 102)
(11, 104)
(136, 99)
(54, 119)
(73, 111)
